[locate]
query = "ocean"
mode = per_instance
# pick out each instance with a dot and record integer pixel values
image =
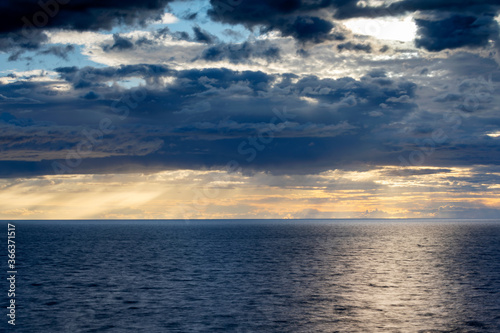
(255, 276)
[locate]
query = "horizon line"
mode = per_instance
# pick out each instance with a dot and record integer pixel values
(259, 219)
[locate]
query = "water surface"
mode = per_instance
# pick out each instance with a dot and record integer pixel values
(258, 276)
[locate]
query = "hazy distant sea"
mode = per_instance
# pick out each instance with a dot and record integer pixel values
(256, 276)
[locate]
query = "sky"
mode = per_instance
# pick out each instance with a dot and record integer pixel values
(220, 109)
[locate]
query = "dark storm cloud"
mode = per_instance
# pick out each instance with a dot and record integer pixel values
(188, 81)
(350, 9)
(355, 47)
(119, 44)
(366, 94)
(291, 18)
(203, 36)
(443, 24)
(456, 31)
(17, 100)
(19, 43)
(165, 31)
(36, 141)
(457, 6)
(91, 95)
(199, 36)
(306, 29)
(23, 23)
(224, 78)
(77, 14)
(202, 118)
(454, 23)
(91, 76)
(207, 117)
(237, 53)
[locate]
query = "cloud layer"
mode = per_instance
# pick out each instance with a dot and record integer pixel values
(279, 92)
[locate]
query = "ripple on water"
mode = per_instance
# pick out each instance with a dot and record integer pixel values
(260, 277)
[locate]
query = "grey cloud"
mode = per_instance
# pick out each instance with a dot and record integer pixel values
(23, 23)
(297, 19)
(237, 53)
(18, 100)
(37, 142)
(350, 9)
(203, 36)
(455, 32)
(119, 44)
(204, 115)
(59, 51)
(355, 47)
(77, 15)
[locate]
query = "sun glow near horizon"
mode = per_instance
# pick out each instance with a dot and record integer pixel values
(388, 192)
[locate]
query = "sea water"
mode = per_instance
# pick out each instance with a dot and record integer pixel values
(256, 276)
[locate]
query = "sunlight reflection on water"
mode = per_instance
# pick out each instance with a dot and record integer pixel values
(259, 276)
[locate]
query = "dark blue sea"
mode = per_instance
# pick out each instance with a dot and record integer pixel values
(255, 276)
